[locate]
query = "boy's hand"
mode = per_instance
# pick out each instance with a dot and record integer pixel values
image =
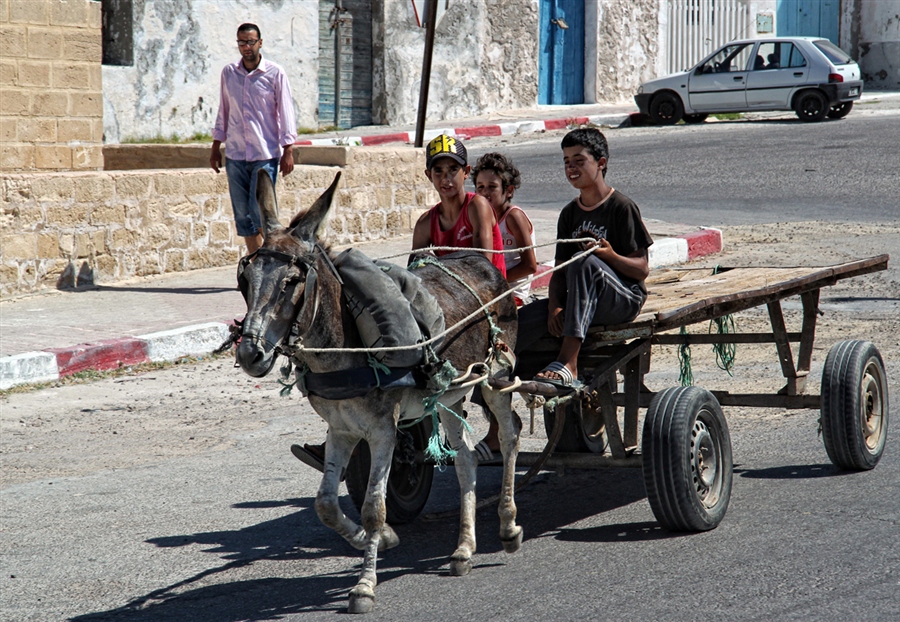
(286, 163)
(555, 321)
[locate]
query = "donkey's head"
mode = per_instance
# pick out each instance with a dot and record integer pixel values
(279, 280)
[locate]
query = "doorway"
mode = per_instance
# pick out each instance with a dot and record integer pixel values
(561, 60)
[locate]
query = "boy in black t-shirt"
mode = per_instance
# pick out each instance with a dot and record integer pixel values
(607, 286)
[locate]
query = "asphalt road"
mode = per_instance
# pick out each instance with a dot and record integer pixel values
(172, 495)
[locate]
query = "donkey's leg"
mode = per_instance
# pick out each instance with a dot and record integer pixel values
(466, 464)
(380, 535)
(338, 448)
(509, 427)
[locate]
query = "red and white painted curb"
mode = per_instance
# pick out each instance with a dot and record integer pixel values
(199, 339)
(500, 129)
(168, 345)
(667, 251)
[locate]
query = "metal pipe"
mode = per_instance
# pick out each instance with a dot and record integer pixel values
(426, 72)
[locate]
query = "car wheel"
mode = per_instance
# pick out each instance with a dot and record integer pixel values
(666, 109)
(695, 118)
(841, 110)
(811, 106)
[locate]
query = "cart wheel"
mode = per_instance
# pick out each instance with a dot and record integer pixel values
(854, 405)
(687, 459)
(583, 429)
(409, 483)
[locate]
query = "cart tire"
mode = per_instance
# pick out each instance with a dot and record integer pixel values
(854, 405)
(687, 459)
(409, 483)
(583, 429)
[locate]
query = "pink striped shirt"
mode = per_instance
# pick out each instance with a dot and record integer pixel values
(256, 112)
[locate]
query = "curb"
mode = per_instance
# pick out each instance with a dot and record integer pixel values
(500, 129)
(170, 345)
(665, 252)
(55, 363)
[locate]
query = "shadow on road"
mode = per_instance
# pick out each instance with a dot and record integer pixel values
(798, 471)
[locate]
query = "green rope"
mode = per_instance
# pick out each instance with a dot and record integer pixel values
(686, 374)
(299, 379)
(725, 352)
(377, 366)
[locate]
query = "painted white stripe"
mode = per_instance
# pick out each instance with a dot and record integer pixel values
(668, 251)
(28, 367)
(508, 128)
(169, 345)
(530, 126)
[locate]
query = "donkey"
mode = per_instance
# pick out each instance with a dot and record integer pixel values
(294, 303)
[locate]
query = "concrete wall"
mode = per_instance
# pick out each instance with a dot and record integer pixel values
(51, 116)
(878, 50)
(622, 49)
(179, 51)
(66, 229)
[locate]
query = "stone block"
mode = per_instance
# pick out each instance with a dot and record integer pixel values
(210, 207)
(105, 215)
(18, 246)
(156, 235)
(200, 233)
(29, 12)
(197, 258)
(33, 73)
(75, 129)
(97, 132)
(121, 239)
(37, 130)
(70, 13)
(354, 224)
(15, 102)
(384, 197)
(95, 77)
(67, 244)
(50, 104)
(87, 157)
(53, 187)
(47, 246)
(199, 183)
(149, 264)
(88, 104)
(375, 222)
(57, 158)
(14, 35)
(221, 233)
(185, 209)
(83, 45)
(44, 43)
(68, 216)
(107, 268)
(404, 196)
(9, 73)
(68, 75)
(168, 184)
(181, 235)
(84, 246)
(394, 222)
(16, 157)
(94, 188)
(174, 260)
(132, 186)
(31, 217)
(361, 201)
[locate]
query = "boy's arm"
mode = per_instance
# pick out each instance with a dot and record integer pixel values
(635, 266)
(422, 233)
(481, 215)
(518, 225)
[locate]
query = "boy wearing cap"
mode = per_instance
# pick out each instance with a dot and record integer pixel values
(461, 219)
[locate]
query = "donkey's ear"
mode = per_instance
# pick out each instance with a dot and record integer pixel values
(268, 206)
(309, 225)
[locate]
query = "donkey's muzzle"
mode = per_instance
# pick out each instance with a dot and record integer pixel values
(254, 358)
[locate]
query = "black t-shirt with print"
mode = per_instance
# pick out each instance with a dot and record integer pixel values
(617, 219)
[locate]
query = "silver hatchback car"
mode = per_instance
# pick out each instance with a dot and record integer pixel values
(809, 75)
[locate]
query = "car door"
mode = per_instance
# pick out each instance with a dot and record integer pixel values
(779, 68)
(719, 84)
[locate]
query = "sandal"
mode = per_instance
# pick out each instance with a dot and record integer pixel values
(565, 381)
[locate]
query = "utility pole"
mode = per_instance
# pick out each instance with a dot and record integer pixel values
(426, 71)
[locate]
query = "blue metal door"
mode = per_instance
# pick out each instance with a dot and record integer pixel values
(561, 64)
(809, 18)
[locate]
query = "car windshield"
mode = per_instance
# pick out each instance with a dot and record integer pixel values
(832, 52)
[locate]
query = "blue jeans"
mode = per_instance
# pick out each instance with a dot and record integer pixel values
(242, 188)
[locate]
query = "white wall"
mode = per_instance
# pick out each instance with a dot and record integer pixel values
(180, 48)
(879, 43)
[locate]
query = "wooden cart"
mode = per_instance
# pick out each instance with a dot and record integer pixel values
(685, 452)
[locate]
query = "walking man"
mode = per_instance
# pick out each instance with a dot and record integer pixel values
(256, 121)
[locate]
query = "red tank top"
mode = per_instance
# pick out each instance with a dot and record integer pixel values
(462, 233)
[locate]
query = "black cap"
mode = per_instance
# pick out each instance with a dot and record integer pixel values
(445, 146)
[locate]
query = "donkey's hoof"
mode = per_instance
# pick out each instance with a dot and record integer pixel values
(360, 604)
(389, 538)
(511, 545)
(460, 567)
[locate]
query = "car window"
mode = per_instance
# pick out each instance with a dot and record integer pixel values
(729, 58)
(832, 52)
(778, 55)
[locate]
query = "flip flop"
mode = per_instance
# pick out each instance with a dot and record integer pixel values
(565, 381)
(484, 452)
(310, 455)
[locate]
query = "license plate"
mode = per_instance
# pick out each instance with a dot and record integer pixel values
(854, 91)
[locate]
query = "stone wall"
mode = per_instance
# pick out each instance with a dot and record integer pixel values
(81, 228)
(51, 109)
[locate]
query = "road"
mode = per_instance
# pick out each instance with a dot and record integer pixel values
(172, 495)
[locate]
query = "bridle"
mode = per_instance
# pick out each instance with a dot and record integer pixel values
(308, 273)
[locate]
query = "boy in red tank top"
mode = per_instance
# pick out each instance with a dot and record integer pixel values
(462, 219)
